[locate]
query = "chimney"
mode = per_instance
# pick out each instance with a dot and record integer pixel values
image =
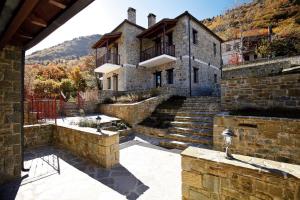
(151, 19)
(131, 15)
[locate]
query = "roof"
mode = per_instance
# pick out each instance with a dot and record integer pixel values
(128, 22)
(253, 33)
(169, 23)
(26, 22)
(114, 34)
(186, 13)
(109, 37)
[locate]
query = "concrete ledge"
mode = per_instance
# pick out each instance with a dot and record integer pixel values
(265, 137)
(206, 174)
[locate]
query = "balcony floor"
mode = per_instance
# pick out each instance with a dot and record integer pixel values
(146, 172)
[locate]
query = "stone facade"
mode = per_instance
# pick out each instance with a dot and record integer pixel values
(38, 135)
(135, 112)
(206, 174)
(101, 149)
(131, 76)
(10, 109)
(260, 86)
(271, 138)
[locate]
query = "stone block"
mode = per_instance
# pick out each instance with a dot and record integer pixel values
(192, 179)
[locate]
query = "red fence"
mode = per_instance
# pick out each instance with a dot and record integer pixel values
(42, 108)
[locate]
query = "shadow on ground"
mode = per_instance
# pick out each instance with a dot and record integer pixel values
(118, 178)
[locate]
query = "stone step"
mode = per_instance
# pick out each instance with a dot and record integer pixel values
(185, 112)
(169, 118)
(181, 145)
(190, 138)
(197, 125)
(191, 131)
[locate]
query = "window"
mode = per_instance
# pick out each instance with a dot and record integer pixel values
(170, 39)
(215, 78)
(196, 75)
(195, 36)
(109, 83)
(170, 76)
(215, 49)
(228, 47)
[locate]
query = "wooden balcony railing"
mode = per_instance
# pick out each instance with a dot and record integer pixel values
(111, 58)
(157, 51)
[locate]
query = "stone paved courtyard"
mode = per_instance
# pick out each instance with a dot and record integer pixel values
(145, 172)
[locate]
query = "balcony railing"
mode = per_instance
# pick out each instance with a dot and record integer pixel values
(157, 51)
(111, 58)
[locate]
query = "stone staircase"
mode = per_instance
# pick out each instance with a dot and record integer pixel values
(71, 109)
(181, 122)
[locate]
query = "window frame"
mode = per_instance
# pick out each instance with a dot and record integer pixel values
(109, 83)
(195, 36)
(215, 49)
(170, 76)
(196, 74)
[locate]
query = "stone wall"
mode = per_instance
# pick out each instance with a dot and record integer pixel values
(38, 135)
(271, 138)
(10, 109)
(101, 149)
(135, 112)
(261, 85)
(206, 174)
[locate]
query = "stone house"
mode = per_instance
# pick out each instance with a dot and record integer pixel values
(243, 49)
(178, 55)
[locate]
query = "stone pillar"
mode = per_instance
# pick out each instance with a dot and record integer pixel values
(151, 20)
(131, 15)
(10, 108)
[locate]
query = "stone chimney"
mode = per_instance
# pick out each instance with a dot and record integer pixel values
(151, 19)
(131, 15)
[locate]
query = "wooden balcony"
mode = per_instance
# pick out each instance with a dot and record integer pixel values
(110, 58)
(157, 55)
(157, 51)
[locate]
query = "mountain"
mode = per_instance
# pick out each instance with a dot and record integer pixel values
(68, 50)
(255, 18)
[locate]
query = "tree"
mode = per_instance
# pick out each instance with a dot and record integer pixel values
(77, 77)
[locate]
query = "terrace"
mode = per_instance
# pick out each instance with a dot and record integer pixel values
(56, 173)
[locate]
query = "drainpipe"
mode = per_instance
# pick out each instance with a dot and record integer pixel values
(190, 61)
(22, 108)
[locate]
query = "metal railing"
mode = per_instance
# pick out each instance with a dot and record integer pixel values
(157, 51)
(111, 58)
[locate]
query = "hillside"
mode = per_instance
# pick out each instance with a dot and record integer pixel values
(255, 17)
(68, 50)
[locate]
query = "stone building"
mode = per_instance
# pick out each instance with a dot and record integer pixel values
(242, 49)
(177, 55)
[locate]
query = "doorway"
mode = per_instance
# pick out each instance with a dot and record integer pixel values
(115, 83)
(157, 76)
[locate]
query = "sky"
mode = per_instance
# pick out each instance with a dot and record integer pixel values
(102, 16)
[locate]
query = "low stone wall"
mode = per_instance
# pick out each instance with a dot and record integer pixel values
(261, 85)
(101, 149)
(264, 137)
(206, 174)
(133, 113)
(262, 92)
(38, 135)
(155, 132)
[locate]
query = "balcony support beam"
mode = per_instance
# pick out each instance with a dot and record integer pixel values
(106, 56)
